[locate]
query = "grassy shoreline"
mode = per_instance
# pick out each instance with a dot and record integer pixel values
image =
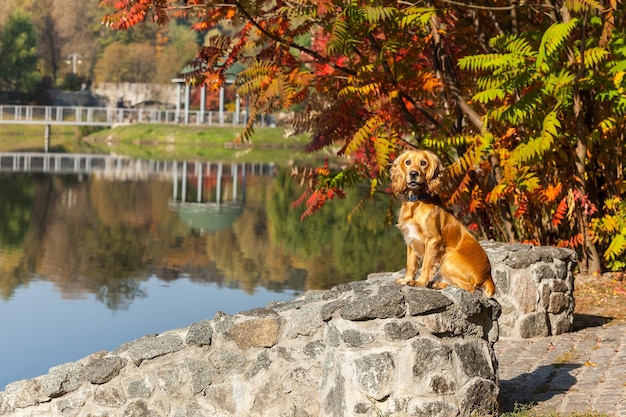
(152, 141)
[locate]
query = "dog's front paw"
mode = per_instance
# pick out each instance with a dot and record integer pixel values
(438, 285)
(406, 281)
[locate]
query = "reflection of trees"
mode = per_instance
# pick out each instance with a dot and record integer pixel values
(15, 206)
(330, 248)
(17, 199)
(118, 294)
(106, 237)
(268, 243)
(246, 253)
(100, 237)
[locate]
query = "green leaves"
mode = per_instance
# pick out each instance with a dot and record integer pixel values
(535, 148)
(379, 14)
(552, 41)
(416, 17)
(340, 38)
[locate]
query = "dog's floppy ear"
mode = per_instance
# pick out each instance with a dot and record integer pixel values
(396, 173)
(433, 174)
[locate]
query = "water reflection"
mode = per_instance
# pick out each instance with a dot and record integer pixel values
(225, 223)
(110, 233)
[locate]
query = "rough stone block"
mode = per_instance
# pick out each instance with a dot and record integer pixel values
(533, 325)
(374, 374)
(558, 302)
(102, 370)
(421, 301)
(429, 407)
(109, 395)
(388, 303)
(429, 354)
(258, 332)
(149, 347)
(201, 374)
(139, 388)
(199, 334)
(534, 285)
(398, 330)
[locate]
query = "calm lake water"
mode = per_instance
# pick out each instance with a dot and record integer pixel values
(95, 252)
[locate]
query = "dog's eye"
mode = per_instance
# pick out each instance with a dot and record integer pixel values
(407, 162)
(423, 162)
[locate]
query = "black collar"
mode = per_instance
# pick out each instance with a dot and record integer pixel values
(415, 198)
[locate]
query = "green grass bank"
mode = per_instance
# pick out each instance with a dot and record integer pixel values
(161, 142)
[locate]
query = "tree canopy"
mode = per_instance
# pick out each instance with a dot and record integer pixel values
(18, 49)
(524, 100)
(71, 46)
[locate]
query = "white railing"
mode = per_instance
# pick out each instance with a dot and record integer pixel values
(122, 167)
(110, 116)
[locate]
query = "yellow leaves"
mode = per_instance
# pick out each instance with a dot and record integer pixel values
(617, 79)
(536, 147)
(380, 13)
(364, 134)
(610, 230)
(610, 223)
(383, 148)
(496, 193)
(363, 91)
(471, 159)
(528, 182)
(553, 39)
(594, 56)
(578, 6)
(616, 247)
(273, 87)
(608, 125)
(322, 171)
(416, 17)
(612, 204)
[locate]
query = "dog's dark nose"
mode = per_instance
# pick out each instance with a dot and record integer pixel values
(413, 175)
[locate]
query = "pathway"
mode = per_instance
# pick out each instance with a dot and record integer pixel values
(580, 372)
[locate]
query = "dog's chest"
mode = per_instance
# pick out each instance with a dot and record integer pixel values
(412, 232)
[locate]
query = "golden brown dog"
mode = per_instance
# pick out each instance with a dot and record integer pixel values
(433, 234)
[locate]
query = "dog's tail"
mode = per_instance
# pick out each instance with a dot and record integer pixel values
(489, 288)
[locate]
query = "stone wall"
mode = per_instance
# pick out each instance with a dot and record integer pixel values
(535, 286)
(367, 348)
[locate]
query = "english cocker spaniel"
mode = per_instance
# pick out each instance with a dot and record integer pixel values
(449, 253)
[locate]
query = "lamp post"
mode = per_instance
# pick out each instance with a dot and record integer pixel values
(74, 59)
